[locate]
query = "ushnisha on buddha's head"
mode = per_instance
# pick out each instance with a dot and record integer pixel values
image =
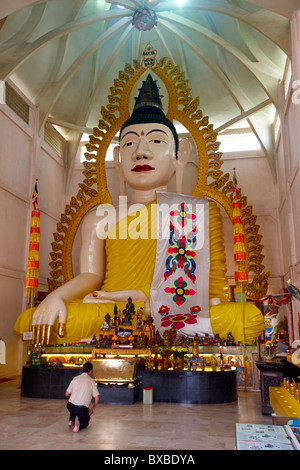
(150, 152)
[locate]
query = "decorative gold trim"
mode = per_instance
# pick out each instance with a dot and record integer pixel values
(183, 108)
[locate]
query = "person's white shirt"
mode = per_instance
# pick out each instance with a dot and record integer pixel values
(82, 389)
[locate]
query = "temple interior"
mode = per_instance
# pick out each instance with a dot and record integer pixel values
(226, 75)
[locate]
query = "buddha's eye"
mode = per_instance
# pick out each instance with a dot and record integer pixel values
(158, 141)
(127, 144)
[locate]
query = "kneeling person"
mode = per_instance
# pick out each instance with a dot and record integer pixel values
(81, 391)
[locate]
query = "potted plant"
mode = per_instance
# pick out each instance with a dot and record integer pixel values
(165, 354)
(270, 350)
(178, 357)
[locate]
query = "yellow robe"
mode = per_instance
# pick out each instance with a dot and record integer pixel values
(130, 265)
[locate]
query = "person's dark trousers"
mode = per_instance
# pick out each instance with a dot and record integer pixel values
(82, 413)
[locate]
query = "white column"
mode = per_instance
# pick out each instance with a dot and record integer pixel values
(295, 101)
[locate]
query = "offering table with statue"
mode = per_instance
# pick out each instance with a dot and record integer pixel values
(121, 380)
(211, 375)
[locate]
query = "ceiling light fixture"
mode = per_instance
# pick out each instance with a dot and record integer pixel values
(144, 19)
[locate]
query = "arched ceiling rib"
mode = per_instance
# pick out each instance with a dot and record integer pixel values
(54, 90)
(258, 20)
(14, 54)
(233, 52)
(253, 68)
(284, 8)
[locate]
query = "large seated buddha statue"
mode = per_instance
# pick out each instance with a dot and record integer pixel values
(164, 250)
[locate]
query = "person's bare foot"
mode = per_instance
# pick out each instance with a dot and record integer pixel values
(76, 427)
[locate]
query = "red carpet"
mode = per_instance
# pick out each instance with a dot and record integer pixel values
(4, 379)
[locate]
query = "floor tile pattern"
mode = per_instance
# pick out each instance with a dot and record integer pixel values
(39, 424)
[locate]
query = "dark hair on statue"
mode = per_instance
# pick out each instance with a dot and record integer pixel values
(148, 109)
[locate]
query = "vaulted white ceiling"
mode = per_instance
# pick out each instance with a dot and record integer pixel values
(64, 55)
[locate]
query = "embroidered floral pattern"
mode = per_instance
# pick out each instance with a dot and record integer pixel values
(179, 321)
(180, 291)
(181, 254)
(195, 309)
(164, 310)
(183, 213)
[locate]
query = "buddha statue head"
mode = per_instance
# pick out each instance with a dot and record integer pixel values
(150, 152)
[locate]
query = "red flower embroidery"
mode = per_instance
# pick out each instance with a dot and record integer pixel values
(179, 291)
(179, 320)
(164, 310)
(183, 213)
(195, 309)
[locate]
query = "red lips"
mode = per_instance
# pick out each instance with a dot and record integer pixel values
(139, 168)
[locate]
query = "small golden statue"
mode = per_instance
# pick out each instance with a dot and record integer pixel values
(166, 338)
(195, 349)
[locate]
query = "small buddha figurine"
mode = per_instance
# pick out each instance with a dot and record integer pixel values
(166, 337)
(206, 340)
(130, 308)
(127, 318)
(106, 324)
(139, 320)
(217, 339)
(173, 334)
(113, 323)
(230, 339)
(94, 340)
(138, 324)
(157, 337)
(195, 349)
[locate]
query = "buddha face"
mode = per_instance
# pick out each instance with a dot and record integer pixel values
(147, 155)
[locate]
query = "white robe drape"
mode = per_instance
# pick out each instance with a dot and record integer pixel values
(179, 292)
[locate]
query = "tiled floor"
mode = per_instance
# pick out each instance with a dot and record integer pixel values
(41, 424)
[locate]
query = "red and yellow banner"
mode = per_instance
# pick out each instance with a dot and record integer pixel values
(33, 254)
(240, 254)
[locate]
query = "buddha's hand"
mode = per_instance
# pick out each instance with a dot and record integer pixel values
(101, 296)
(119, 296)
(44, 318)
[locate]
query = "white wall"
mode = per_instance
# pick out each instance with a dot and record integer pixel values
(287, 164)
(23, 158)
